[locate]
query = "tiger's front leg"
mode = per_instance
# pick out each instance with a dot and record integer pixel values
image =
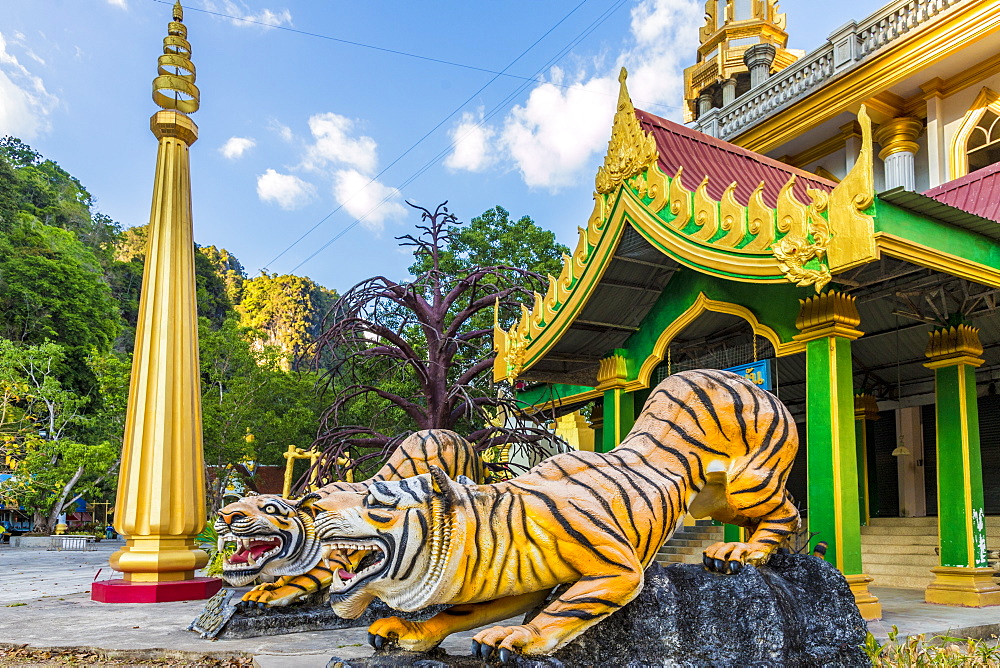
(288, 589)
(422, 636)
(585, 603)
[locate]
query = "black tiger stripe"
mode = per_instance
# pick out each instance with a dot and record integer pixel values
(758, 487)
(578, 614)
(455, 612)
(596, 521)
(706, 402)
(296, 586)
(683, 406)
(313, 578)
(590, 599)
(578, 481)
(621, 491)
(401, 551)
(567, 527)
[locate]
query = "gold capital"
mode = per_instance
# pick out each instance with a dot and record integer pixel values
(613, 372)
(829, 314)
(865, 407)
(954, 345)
(898, 135)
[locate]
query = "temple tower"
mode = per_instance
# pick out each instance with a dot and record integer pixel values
(160, 506)
(742, 43)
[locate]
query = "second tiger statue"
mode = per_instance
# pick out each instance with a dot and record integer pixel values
(707, 442)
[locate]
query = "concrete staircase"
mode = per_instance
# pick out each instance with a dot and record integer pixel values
(900, 551)
(688, 543)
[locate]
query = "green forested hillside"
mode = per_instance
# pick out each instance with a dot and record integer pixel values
(70, 282)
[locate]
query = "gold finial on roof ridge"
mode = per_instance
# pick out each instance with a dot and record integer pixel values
(174, 88)
(631, 150)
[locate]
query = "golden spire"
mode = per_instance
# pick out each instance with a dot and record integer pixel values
(161, 483)
(175, 69)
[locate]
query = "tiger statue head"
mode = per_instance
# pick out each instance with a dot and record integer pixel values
(392, 534)
(273, 536)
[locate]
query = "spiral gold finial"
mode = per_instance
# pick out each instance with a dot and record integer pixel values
(175, 69)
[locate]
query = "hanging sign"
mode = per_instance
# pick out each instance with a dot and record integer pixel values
(759, 373)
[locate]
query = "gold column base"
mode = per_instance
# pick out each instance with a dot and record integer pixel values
(158, 559)
(964, 586)
(867, 602)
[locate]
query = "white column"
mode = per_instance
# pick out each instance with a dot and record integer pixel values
(899, 147)
(728, 91)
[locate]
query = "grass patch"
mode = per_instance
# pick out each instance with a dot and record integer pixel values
(937, 651)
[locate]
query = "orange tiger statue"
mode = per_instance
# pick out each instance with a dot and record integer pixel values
(275, 536)
(708, 442)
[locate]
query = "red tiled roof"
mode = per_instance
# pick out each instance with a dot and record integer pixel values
(723, 163)
(977, 193)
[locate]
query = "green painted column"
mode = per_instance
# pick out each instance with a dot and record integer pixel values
(828, 323)
(619, 405)
(865, 411)
(619, 417)
(963, 577)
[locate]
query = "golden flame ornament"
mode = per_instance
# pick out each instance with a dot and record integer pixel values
(175, 69)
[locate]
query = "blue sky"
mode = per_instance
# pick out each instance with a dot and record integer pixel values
(296, 128)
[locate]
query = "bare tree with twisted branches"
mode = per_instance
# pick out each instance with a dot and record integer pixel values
(416, 355)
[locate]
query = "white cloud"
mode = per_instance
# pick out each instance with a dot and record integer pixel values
(25, 104)
(367, 200)
(235, 147)
(119, 3)
(472, 139)
(283, 130)
(243, 16)
(557, 130)
(555, 137)
(286, 190)
(335, 145)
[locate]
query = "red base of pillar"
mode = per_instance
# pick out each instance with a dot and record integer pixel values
(123, 591)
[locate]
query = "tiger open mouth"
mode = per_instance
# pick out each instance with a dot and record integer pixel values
(360, 561)
(250, 551)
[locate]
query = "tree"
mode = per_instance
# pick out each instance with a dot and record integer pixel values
(40, 426)
(493, 239)
(288, 309)
(245, 391)
(414, 355)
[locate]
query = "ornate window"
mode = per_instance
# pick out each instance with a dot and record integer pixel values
(977, 142)
(983, 147)
(720, 13)
(742, 10)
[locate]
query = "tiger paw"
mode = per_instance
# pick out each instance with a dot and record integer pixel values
(271, 594)
(729, 558)
(392, 632)
(505, 641)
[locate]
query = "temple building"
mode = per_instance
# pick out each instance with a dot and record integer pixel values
(826, 224)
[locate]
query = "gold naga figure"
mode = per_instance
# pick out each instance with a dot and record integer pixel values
(707, 442)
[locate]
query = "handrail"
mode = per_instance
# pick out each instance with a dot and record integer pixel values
(843, 50)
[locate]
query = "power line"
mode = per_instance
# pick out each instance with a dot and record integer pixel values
(407, 54)
(502, 104)
(417, 143)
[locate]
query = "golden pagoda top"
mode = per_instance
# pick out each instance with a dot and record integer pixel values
(176, 72)
(731, 27)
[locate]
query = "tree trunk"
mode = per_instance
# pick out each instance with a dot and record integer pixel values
(58, 506)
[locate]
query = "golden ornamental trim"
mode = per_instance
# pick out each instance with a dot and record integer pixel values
(956, 344)
(852, 242)
(630, 151)
(865, 407)
(613, 371)
(832, 311)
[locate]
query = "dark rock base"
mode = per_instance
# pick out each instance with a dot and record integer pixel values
(221, 617)
(797, 611)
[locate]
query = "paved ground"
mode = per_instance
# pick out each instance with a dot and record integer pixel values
(45, 602)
